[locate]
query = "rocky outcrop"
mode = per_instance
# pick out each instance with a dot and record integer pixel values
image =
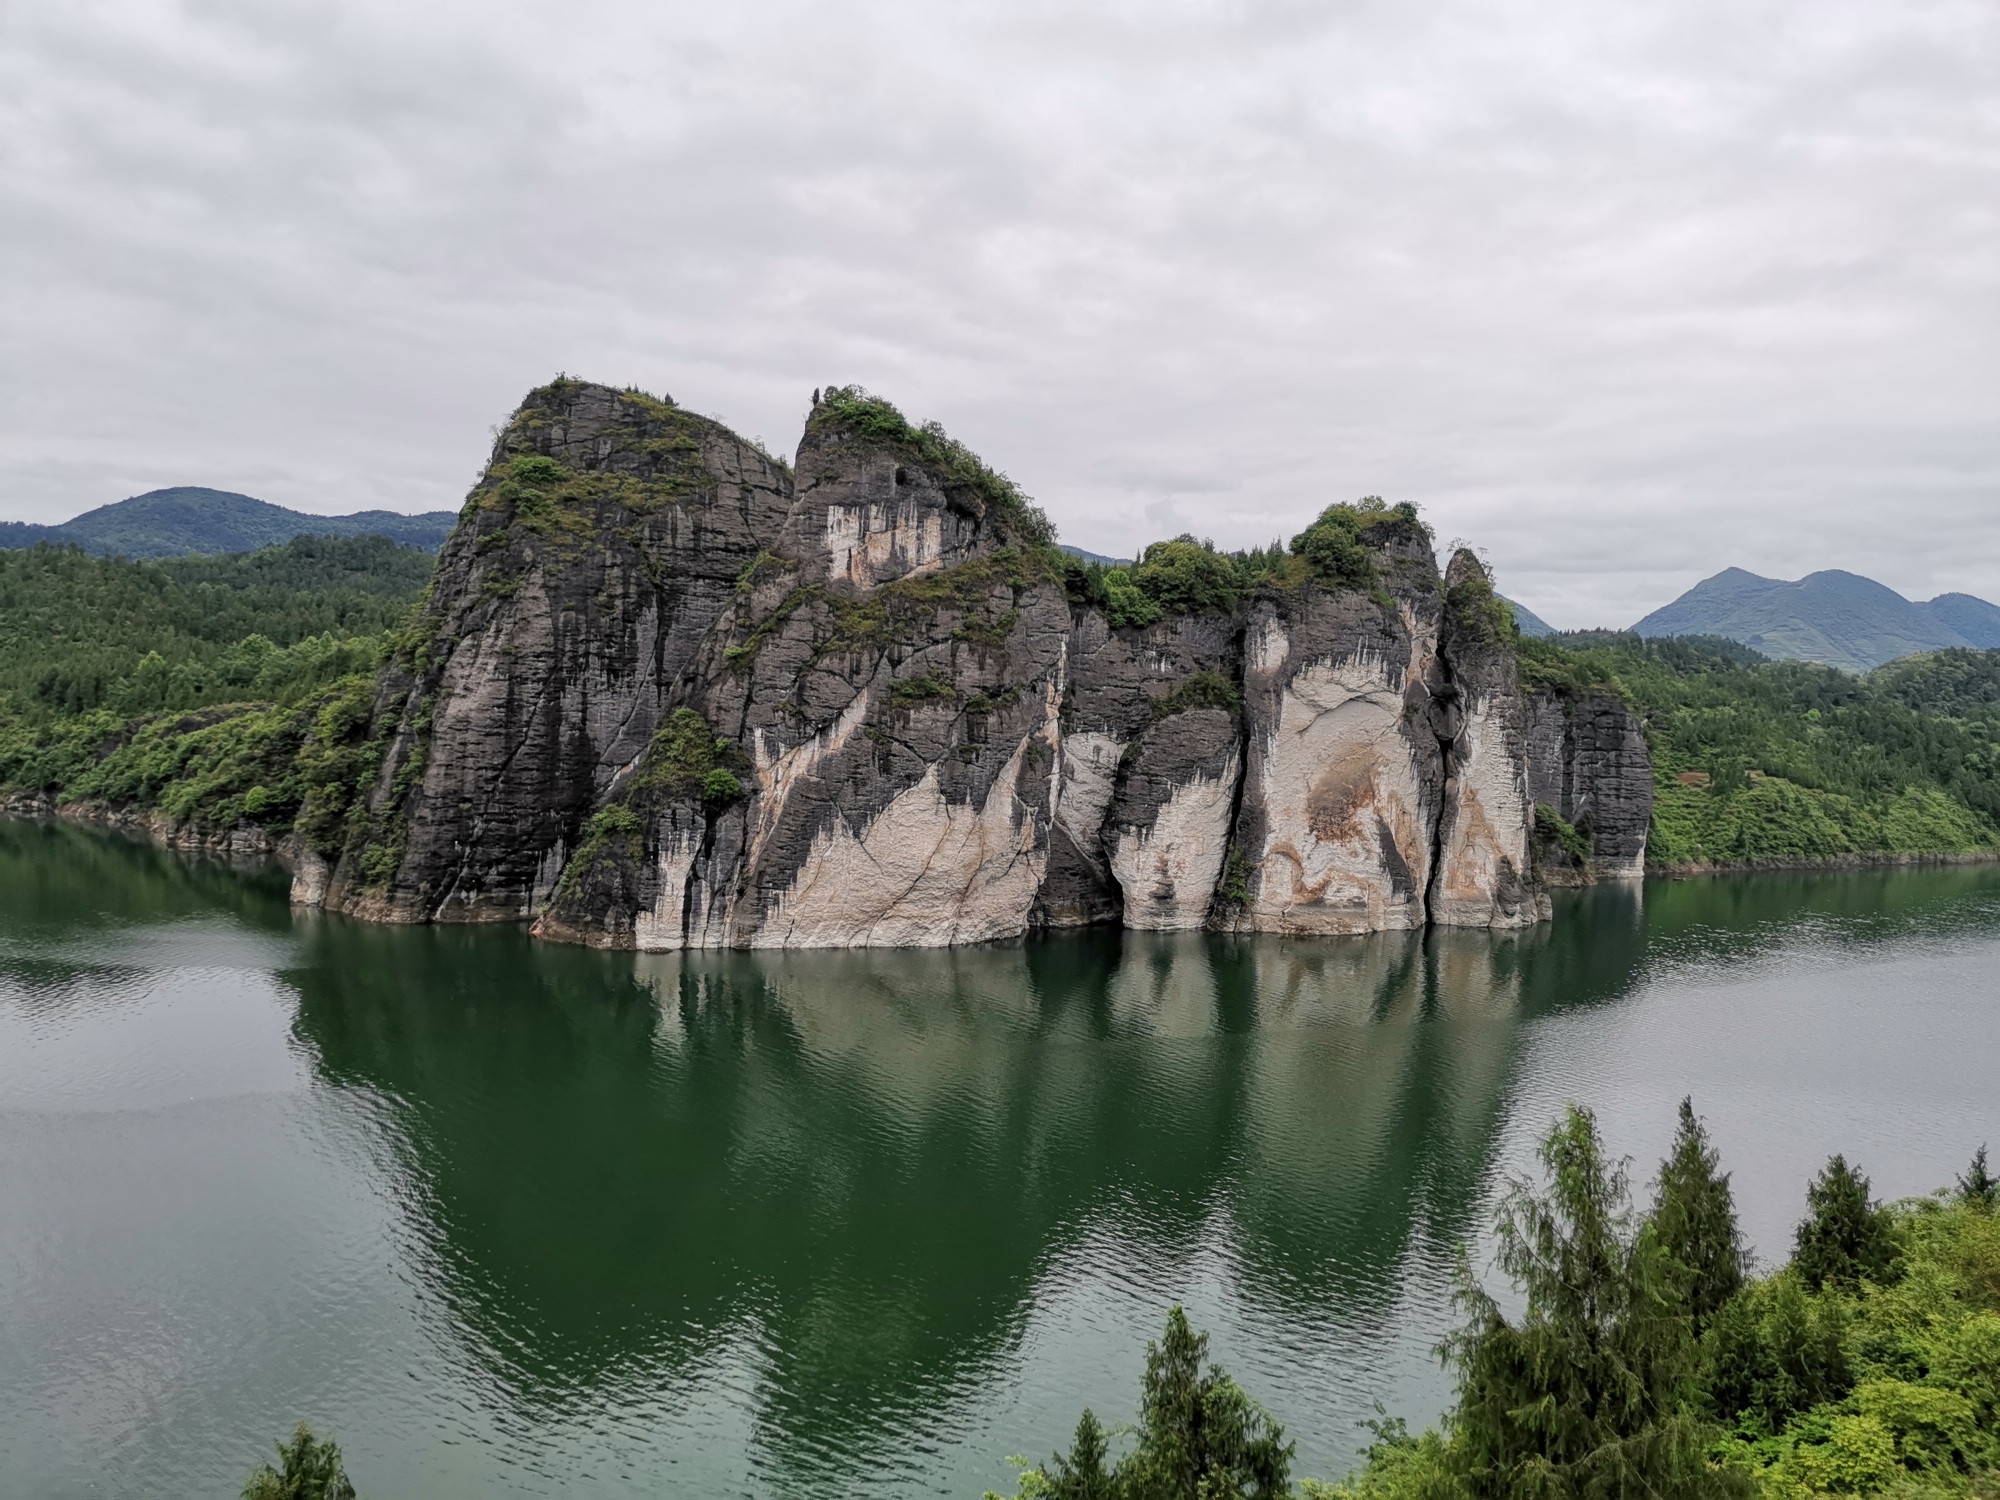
(1487, 817)
(600, 546)
(1587, 762)
(669, 693)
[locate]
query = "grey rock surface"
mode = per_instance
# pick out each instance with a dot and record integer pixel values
(668, 692)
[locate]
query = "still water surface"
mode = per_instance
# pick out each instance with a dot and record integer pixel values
(513, 1219)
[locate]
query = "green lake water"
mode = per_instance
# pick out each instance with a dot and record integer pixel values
(514, 1219)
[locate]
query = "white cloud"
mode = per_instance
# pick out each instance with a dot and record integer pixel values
(1624, 295)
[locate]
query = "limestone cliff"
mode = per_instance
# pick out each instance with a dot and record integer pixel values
(1587, 762)
(669, 693)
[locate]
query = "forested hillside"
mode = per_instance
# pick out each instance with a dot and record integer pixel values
(198, 686)
(1759, 761)
(188, 518)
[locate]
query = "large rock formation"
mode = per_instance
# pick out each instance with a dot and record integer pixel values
(1588, 763)
(668, 693)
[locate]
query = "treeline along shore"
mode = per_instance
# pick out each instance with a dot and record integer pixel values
(665, 689)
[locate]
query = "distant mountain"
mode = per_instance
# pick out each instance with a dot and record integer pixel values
(1840, 619)
(1530, 622)
(174, 522)
(1096, 557)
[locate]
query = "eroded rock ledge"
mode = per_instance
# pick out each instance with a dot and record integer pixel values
(669, 692)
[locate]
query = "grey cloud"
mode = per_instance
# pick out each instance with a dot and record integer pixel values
(1624, 296)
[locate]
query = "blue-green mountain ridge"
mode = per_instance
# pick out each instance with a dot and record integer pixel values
(1835, 618)
(188, 518)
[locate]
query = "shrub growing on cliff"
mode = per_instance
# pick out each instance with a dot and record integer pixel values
(955, 466)
(1333, 546)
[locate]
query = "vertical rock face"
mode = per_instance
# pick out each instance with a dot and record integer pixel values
(669, 693)
(1151, 761)
(890, 680)
(589, 562)
(1485, 822)
(1344, 778)
(1587, 759)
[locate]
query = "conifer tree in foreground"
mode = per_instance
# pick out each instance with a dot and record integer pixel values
(1586, 1395)
(1694, 1217)
(1978, 1188)
(1844, 1237)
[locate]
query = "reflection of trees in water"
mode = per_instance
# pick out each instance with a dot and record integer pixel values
(62, 885)
(866, 1161)
(871, 1157)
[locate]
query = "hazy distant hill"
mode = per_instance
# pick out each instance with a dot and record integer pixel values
(173, 522)
(1840, 619)
(1532, 624)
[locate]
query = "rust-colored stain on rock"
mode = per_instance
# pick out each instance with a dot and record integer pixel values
(1347, 788)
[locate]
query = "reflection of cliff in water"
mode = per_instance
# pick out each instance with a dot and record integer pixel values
(868, 1158)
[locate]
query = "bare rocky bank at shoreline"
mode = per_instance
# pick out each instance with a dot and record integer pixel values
(667, 691)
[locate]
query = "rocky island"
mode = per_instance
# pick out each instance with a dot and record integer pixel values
(667, 691)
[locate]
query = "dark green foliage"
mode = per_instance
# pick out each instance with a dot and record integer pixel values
(1187, 577)
(1335, 546)
(928, 687)
(1771, 1353)
(681, 765)
(1958, 684)
(1844, 1238)
(1694, 1218)
(79, 632)
(1207, 688)
(1977, 1187)
(960, 471)
(1473, 613)
(309, 1468)
(1199, 1437)
(1584, 1395)
(686, 764)
(1199, 1434)
(1082, 1474)
(1787, 761)
(1554, 832)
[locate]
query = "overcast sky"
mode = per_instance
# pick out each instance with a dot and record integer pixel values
(1623, 294)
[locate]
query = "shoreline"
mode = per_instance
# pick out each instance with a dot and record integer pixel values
(286, 851)
(1836, 865)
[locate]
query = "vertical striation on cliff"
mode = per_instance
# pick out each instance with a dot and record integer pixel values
(669, 692)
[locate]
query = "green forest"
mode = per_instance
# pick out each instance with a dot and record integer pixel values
(226, 688)
(217, 689)
(1761, 762)
(1645, 1359)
